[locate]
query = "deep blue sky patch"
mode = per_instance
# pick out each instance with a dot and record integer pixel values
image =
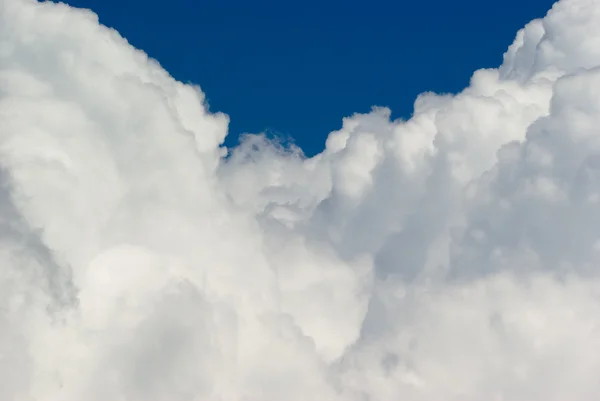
(296, 69)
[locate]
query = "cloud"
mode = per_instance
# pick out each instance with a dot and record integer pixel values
(451, 256)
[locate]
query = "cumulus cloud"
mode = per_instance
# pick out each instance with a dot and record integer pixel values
(452, 256)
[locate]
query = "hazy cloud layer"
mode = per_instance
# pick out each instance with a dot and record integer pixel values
(453, 256)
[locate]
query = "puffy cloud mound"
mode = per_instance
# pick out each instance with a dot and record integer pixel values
(454, 256)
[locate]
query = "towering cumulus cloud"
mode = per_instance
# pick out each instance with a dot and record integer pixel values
(454, 256)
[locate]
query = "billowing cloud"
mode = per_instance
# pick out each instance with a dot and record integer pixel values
(453, 256)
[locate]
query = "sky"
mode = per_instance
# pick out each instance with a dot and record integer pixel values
(270, 64)
(450, 256)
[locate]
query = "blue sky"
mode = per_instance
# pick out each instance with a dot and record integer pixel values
(297, 68)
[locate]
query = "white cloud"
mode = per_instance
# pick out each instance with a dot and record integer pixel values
(452, 256)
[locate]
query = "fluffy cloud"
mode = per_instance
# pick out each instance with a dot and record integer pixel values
(452, 256)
